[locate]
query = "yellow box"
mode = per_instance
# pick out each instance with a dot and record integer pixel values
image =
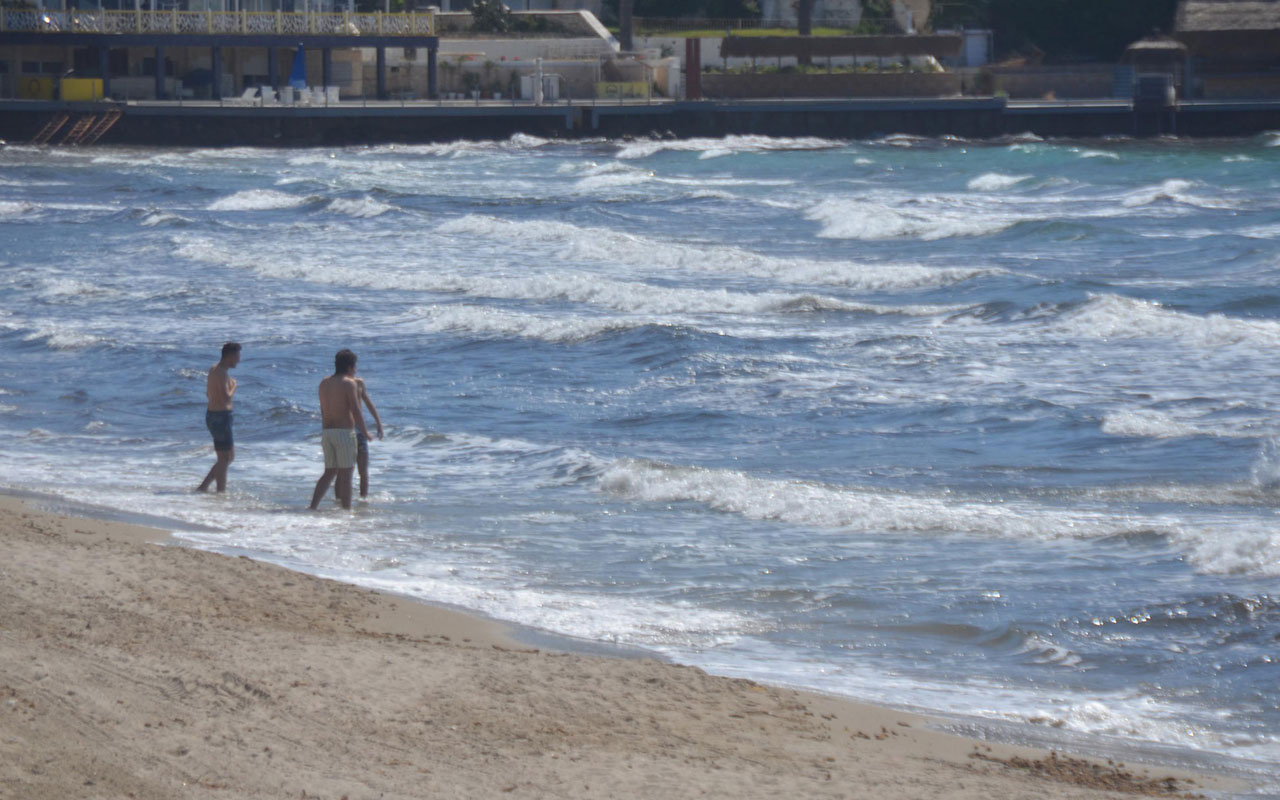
(35, 88)
(81, 88)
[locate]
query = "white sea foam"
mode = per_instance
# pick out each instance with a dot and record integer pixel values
(995, 182)
(362, 207)
(849, 507)
(1116, 317)
(728, 145)
(1174, 190)
(1213, 544)
(654, 302)
(602, 245)
(485, 321)
(16, 208)
(612, 180)
(62, 337)
(157, 218)
(1233, 547)
(846, 218)
(257, 200)
(462, 148)
(1114, 156)
(1145, 423)
(592, 617)
(62, 289)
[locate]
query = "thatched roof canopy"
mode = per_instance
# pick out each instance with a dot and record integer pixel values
(1228, 15)
(938, 46)
(1244, 32)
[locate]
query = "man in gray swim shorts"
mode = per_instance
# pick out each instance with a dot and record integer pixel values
(340, 417)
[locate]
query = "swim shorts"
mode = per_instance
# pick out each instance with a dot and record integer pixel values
(339, 446)
(362, 444)
(219, 425)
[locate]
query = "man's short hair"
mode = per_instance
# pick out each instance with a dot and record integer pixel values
(342, 361)
(230, 348)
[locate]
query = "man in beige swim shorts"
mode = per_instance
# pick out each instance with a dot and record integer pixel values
(341, 417)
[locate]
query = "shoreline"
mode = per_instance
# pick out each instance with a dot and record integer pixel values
(229, 649)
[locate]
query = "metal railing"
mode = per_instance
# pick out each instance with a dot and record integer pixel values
(410, 23)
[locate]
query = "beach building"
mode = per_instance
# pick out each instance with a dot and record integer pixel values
(209, 53)
(1234, 47)
(571, 48)
(175, 54)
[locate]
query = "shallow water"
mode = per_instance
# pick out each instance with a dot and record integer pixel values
(983, 428)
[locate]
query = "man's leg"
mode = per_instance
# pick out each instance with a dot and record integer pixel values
(218, 472)
(362, 464)
(322, 486)
(344, 487)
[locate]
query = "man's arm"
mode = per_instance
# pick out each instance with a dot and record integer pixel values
(364, 393)
(353, 402)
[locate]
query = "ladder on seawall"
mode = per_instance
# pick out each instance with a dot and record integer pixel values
(79, 129)
(51, 127)
(100, 127)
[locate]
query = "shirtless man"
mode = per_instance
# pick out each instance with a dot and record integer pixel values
(219, 388)
(362, 443)
(341, 417)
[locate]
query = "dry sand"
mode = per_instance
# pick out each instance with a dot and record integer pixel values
(134, 670)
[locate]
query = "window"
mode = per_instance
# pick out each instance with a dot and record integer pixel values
(411, 54)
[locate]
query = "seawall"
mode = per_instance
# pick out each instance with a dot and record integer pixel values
(211, 124)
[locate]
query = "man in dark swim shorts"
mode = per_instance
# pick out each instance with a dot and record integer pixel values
(219, 388)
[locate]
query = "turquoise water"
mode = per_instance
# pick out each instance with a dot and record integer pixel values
(987, 429)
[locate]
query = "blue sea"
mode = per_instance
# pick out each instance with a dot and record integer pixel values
(984, 429)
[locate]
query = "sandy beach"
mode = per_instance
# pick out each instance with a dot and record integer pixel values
(131, 669)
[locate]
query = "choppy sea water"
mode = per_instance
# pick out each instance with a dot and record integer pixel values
(989, 429)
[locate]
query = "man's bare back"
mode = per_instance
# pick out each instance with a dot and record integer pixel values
(340, 403)
(219, 387)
